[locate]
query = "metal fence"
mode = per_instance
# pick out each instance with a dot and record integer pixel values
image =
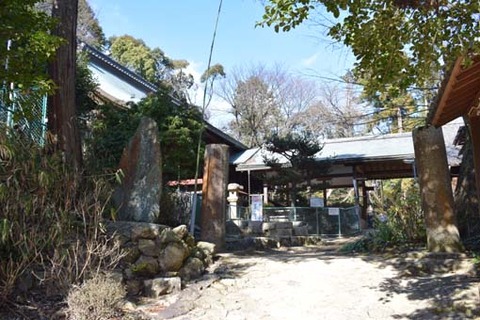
(238, 213)
(320, 221)
(27, 113)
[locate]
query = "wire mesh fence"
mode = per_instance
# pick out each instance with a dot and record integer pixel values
(320, 221)
(238, 213)
(26, 113)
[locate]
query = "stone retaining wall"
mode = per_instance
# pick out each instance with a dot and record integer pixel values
(158, 258)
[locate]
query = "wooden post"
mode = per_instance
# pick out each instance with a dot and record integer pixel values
(325, 198)
(364, 203)
(214, 194)
(356, 194)
(474, 126)
(436, 190)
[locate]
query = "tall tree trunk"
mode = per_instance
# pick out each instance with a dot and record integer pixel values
(62, 119)
(436, 190)
(466, 200)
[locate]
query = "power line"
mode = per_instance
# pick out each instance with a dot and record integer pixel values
(340, 80)
(199, 145)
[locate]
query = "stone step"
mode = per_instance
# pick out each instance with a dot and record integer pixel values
(280, 233)
(300, 231)
(284, 225)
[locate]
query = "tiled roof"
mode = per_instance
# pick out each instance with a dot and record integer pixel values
(360, 149)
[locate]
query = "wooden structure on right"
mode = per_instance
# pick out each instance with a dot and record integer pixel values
(460, 97)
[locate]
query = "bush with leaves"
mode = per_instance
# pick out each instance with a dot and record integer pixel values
(27, 45)
(401, 204)
(178, 124)
(402, 223)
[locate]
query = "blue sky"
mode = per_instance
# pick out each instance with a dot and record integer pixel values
(183, 30)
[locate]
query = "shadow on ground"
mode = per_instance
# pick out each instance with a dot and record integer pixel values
(450, 283)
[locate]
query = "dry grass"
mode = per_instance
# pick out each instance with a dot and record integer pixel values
(96, 299)
(50, 224)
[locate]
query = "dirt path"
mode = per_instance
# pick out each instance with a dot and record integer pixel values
(319, 283)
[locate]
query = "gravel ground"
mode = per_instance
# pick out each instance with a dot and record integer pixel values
(320, 283)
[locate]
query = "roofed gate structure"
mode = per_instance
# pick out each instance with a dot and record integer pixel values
(353, 161)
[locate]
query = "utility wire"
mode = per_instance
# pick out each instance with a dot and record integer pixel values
(204, 106)
(356, 83)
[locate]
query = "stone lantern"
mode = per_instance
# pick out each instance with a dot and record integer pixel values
(233, 197)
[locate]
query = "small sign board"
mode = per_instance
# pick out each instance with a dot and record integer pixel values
(333, 211)
(257, 207)
(316, 202)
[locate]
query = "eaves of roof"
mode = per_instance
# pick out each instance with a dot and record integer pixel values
(118, 67)
(367, 159)
(150, 87)
(214, 130)
(459, 92)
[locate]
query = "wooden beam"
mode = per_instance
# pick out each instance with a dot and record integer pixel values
(470, 71)
(446, 93)
(364, 202)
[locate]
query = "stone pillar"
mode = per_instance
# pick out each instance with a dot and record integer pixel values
(214, 189)
(436, 190)
(138, 197)
(265, 194)
(233, 190)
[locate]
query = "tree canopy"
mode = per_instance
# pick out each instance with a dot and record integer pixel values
(299, 149)
(88, 27)
(397, 43)
(26, 45)
(254, 111)
(178, 130)
(151, 63)
(265, 101)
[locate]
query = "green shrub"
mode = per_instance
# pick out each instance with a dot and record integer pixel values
(403, 224)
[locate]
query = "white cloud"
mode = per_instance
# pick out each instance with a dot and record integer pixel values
(196, 91)
(308, 62)
(193, 69)
(218, 108)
